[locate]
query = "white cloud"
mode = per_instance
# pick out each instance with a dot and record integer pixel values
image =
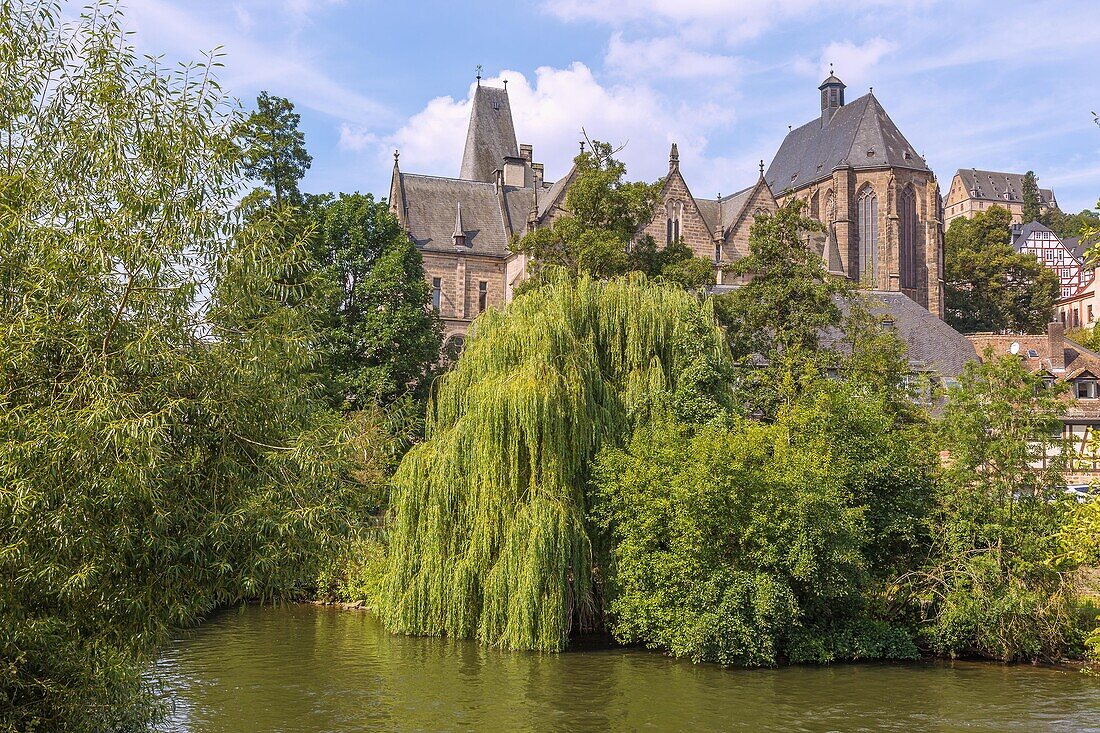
(550, 113)
(854, 63)
(244, 18)
(356, 138)
(250, 65)
(668, 56)
(301, 9)
(730, 20)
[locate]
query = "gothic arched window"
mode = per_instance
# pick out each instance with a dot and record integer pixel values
(908, 256)
(867, 218)
(815, 206)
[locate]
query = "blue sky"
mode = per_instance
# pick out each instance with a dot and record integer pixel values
(1006, 85)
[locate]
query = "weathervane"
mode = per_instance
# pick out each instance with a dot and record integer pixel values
(479, 74)
(396, 155)
(830, 68)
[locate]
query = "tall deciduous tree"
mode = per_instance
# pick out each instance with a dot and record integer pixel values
(382, 338)
(991, 287)
(274, 148)
(163, 449)
(1033, 210)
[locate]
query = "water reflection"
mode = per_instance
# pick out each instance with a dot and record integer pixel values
(302, 668)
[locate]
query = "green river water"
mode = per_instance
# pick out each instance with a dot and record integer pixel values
(306, 668)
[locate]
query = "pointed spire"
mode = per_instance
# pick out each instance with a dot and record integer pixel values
(491, 136)
(673, 158)
(459, 235)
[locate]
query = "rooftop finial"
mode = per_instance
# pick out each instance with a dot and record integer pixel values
(479, 74)
(582, 147)
(830, 68)
(871, 89)
(396, 155)
(761, 168)
(505, 85)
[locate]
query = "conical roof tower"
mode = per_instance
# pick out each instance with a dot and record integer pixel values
(491, 136)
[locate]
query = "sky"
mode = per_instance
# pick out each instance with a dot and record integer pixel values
(1008, 85)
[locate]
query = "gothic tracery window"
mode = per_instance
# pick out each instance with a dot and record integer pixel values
(908, 256)
(867, 218)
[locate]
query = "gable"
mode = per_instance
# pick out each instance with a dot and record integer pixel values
(676, 199)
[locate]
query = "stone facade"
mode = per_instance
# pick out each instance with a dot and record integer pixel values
(464, 226)
(879, 201)
(973, 191)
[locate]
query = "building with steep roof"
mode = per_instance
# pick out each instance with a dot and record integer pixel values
(876, 196)
(973, 191)
(1064, 257)
(839, 163)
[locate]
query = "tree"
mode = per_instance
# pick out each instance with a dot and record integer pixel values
(381, 338)
(164, 448)
(775, 321)
(489, 536)
(990, 286)
(598, 235)
(274, 148)
(991, 586)
(1069, 226)
(1032, 203)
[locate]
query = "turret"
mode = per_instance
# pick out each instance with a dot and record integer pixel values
(832, 96)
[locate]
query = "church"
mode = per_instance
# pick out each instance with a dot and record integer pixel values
(879, 203)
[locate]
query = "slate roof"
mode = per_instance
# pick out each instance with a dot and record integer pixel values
(993, 185)
(931, 344)
(859, 134)
(730, 208)
(489, 216)
(491, 136)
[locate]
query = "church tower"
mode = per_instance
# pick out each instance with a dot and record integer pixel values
(876, 196)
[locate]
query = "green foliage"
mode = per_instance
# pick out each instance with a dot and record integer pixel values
(751, 543)
(164, 447)
(381, 337)
(991, 587)
(354, 573)
(1029, 190)
(775, 321)
(489, 536)
(598, 233)
(991, 287)
(1072, 225)
(274, 148)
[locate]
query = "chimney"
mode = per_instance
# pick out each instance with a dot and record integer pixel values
(539, 172)
(1056, 345)
(526, 152)
(515, 171)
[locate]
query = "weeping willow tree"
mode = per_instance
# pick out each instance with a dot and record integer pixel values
(489, 537)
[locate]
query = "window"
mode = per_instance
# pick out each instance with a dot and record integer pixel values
(673, 211)
(908, 255)
(437, 292)
(1086, 389)
(717, 251)
(867, 216)
(482, 296)
(1091, 318)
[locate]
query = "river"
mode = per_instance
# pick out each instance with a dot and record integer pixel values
(306, 668)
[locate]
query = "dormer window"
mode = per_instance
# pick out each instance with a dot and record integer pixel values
(1086, 388)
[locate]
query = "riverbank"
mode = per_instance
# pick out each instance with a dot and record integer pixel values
(306, 667)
